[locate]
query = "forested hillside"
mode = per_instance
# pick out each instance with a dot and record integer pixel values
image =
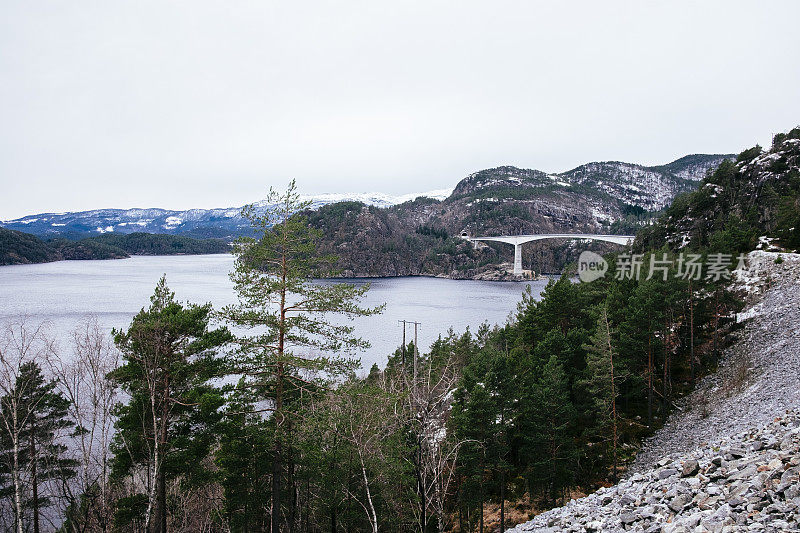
(17, 248)
(22, 248)
(756, 195)
(160, 244)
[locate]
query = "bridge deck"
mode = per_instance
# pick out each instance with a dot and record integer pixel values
(518, 240)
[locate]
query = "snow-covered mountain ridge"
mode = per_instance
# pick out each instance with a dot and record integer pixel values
(219, 222)
(649, 188)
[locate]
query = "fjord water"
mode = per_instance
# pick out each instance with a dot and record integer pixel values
(63, 293)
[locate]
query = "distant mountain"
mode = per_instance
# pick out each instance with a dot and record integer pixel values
(420, 237)
(649, 188)
(375, 234)
(590, 195)
(197, 223)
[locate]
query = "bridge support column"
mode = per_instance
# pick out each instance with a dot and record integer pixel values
(518, 259)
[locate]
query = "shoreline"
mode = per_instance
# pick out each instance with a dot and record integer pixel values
(501, 278)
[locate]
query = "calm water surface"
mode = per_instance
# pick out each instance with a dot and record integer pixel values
(65, 292)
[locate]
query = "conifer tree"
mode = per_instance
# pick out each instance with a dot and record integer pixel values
(602, 383)
(472, 419)
(165, 431)
(548, 420)
(244, 458)
(34, 415)
(288, 336)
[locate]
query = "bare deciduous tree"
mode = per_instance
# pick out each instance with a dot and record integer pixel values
(428, 406)
(83, 381)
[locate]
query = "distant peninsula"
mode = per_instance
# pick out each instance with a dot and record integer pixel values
(20, 248)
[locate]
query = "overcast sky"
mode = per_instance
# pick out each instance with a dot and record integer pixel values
(207, 104)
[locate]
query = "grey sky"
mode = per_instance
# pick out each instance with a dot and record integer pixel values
(207, 104)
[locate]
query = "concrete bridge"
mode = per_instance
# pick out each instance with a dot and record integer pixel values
(518, 240)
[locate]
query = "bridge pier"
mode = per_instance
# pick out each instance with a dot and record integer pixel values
(518, 259)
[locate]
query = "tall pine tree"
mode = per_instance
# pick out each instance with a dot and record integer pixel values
(602, 383)
(287, 335)
(547, 424)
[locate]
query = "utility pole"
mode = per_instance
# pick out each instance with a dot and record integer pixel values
(416, 348)
(403, 349)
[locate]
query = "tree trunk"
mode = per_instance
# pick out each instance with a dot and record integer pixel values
(373, 515)
(649, 380)
(502, 501)
(276, 460)
(613, 397)
(483, 467)
(418, 467)
(34, 483)
(290, 482)
(160, 514)
(691, 332)
(276, 485)
(17, 480)
(159, 524)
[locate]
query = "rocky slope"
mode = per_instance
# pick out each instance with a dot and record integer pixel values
(729, 458)
(748, 482)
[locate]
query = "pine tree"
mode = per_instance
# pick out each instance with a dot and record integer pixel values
(165, 429)
(34, 415)
(639, 340)
(472, 420)
(482, 418)
(244, 458)
(284, 314)
(547, 421)
(602, 383)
